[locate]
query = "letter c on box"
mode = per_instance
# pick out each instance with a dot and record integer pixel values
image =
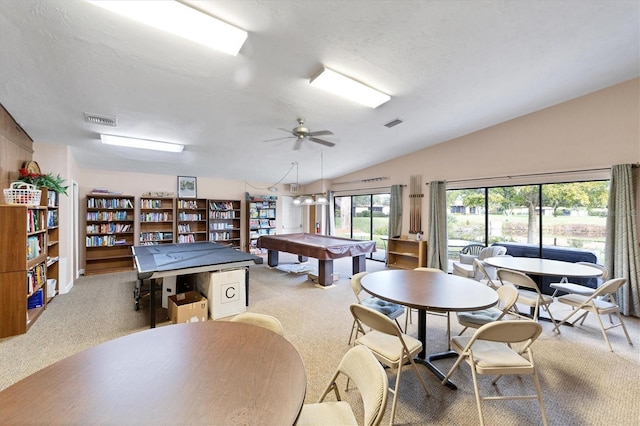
(226, 293)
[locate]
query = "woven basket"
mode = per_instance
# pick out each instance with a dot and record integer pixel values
(22, 194)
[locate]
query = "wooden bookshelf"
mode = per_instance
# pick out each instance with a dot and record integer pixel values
(109, 233)
(157, 220)
(403, 253)
(224, 222)
(261, 220)
(191, 222)
(23, 267)
(51, 200)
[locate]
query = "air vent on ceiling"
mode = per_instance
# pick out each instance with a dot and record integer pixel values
(393, 123)
(100, 119)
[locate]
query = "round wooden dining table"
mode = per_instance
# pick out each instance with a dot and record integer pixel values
(430, 291)
(538, 266)
(213, 373)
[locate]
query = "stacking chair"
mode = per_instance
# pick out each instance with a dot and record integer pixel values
(489, 351)
(528, 293)
(601, 302)
(465, 267)
(564, 286)
(392, 310)
(360, 366)
(567, 287)
(261, 320)
(389, 345)
(481, 274)
(507, 297)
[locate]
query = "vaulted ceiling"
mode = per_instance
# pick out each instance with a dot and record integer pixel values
(451, 68)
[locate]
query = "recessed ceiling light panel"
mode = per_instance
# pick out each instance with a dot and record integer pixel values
(341, 85)
(141, 143)
(181, 20)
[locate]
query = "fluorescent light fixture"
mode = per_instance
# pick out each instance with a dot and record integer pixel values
(181, 20)
(340, 85)
(141, 143)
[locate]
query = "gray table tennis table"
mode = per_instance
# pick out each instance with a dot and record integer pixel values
(168, 260)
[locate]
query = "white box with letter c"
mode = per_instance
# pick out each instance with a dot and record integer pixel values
(225, 291)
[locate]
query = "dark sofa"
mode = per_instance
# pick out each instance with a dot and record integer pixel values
(566, 254)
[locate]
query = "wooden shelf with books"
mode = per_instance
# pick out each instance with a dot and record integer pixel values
(23, 267)
(51, 200)
(191, 223)
(224, 222)
(261, 220)
(109, 233)
(157, 220)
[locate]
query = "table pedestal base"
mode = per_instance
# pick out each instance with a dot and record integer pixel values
(428, 362)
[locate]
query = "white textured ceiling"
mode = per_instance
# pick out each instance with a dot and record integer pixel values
(451, 67)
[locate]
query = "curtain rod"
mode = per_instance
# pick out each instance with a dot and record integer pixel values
(377, 179)
(535, 174)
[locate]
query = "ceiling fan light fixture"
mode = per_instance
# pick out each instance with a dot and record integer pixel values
(322, 200)
(181, 20)
(141, 143)
(348, 88)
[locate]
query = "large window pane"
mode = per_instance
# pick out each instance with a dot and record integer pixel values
(465, 219)
(342, 214)
(513, 214)
(575, 215)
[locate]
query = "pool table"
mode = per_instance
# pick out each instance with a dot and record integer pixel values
(325, 248)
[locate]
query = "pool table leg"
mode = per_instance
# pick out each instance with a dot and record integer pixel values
(359, 264)
(272, 258)
(325, 272)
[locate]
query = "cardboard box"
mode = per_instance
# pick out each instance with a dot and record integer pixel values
(188, 307)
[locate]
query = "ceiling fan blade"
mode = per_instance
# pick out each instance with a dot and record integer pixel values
(322, 142)
(287, 130)
(279, 139)
(297, 145)
(320, 133)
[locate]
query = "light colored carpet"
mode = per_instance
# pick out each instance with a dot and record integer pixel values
(583, 383)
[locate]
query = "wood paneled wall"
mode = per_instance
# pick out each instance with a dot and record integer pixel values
(16, 147)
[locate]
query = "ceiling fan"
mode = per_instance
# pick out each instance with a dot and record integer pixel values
(301, 133)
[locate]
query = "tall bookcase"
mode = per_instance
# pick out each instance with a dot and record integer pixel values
(261, 218)
(51, 200)
(191, 223)
(224, 222)
(110, 220)
(157, 222)
(23, 267)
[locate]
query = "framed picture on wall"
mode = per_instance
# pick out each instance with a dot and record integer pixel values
(187, 187)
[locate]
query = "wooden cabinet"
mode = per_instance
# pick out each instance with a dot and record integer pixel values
(23, 267)
(110, 220)
(51, 200)
(224, 222)
(403, 253)
(191, 225)
(261, 217)
(157, 222)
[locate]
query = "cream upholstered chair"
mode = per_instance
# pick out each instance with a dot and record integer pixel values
(564, 286)
(601, 302)
(528, 293)
(507, 297)
(489, 352)
(363, 369)
(261, 320)
(484, 275)
(470, 252)
(392, 310)
(467, 269)
(389, 345)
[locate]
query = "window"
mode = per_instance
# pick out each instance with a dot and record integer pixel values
(364, 217)
(571, 214)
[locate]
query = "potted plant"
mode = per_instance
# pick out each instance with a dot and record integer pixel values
(49, 181)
